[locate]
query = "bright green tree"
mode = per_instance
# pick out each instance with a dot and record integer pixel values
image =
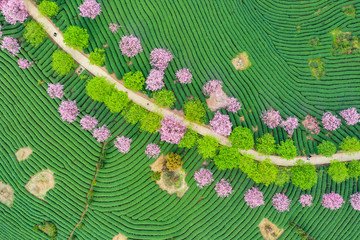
(98, 88)
(326, 148)
(350, 145)
(164, 98)
(242, 138)
(303, 175)
(48, 8)
(97, 57)
(76, 37)
(287, 149)
(283, 176)
(117, 101)
(247, 163)
(62, 62)
(208, 146)
(194, 111)
(354, 169)
(34, 33)
(189, 140)
(268, 172)
(338, 171)
(150, 122)
(134, 81)
(266, 144)
(228, 158)
(135, 113)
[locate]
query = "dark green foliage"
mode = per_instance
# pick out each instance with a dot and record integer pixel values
(164, 98)
(134, 81)
(156, 176)
(344, 43)
(189, 140)
(228, 158)
(266, 144)
(317, 68)
(208, 146)
(150, 122)
(48, 8)
(135, 113)
(338, 171)
(287, 149)
(314, 41)
(97, 57)
(116, 101)
(62, 62)
(76, 37)
(98, 88)
(326, 148)
(242, 138)
(303, 175)
(48, 228)
(354, 169)
(350, 145)
(194, 111)
(34, 33)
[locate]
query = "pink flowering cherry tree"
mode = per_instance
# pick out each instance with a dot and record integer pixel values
(221, 124)
(88, 123)
(11, 45)
(172, 130)
(24, 63)
(350, 115)
(305, 200)
(290, 124)
(355, 201)
(14, 11)
(160, 58)
(204, 177)
(271, 118)
(102, 133)
(254, 198)
(90, 9)
(184, 76)
(152, 150)
(123, 144)
(55, 90)
(330, 121)
(311, 124)
(68, 111)
(211, 87)
(332, 201)
(130, 46)
(233, 105)
(281, 202)
(223, 188)
(154, 81)
(114, 27)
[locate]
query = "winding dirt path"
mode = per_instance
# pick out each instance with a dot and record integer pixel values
(144, 101)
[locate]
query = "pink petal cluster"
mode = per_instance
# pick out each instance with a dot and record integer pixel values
(123, 144)
(332, 201)
(114, 27)
(24, 63)
(290, 124)
(68, 111)
(184, 76)
(351, 116)
(154, 81)
(204, 177)
(88, 123)
(14, 11)
(172, 130)
(330, 121)
(130, 46)
(281, 202)
(233, 105)
(305, 200)
(221, 124)
(223, 188)
(254, 198)
(271, 118)
(311, 124)
(90, 9)
(55, 90)
(102, 134)
(211, 87)
(152, 150)
(11, 44)
(160, 58)
(355, 201)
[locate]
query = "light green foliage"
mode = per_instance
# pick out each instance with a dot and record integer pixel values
(267, 171)
(194, 111)
(76, 37)
(208, 146)
(116, 101)
(303, 175)
(62, 62)
(97, 57)
(134, 81)
(228, 158)
(338, 171)
(287, 149)
(189, 140)
(326, 148)
(135, 113)
(99, 88)
(48, 228)
(242, 138)
(34, 33)
(266, 144)
(354, 169)
(48, 8)
(350, 11)
(344, 43)
(247, 163)
(317, 68)
(164, 98)
(283, 176)
(151, 122)
(156, 176)
(350, 145)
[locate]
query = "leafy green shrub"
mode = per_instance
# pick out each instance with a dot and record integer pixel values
(242, 138)
(338, 171)
(247, 163)
(156, 176)
(98, 88)
(228, 158)
(135, 113)
(150, 122)
(268, 172)
(326, 148)
(303, 175)
(350, 11)
(48, 8)
(134, 81)
(266, 144)
(189, 140)
(97, 57)
(208, 146)
(317, 68)
(350, 145)
(173, 161)
(164, 98)
(48, 228)
(194, 111)
(354, 169)
(287, 149)
(76, 37)
(62, 62)
(34, 33)
(116, 101)
(283, 176)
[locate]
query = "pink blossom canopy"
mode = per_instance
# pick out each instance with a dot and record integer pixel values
(233, 105)
(11, 45)
(152, 150)
(281, 202)
(14, 11)
(68, 111)
(223, 188)
(154, 81)
(350, 115)
(160, 58)
(172, 130)
(355, 201)
(130, 46)
(332, 201)
(24, 63)
(102, 134)
(330, 121)
(88, 123)
(123, 144)
(221, 124)
(90, 9)
(311, 124)
(211, 87)
(204, 177)
(55, 90)
(305, 200)
(254, 198)
(184, 76)
(271, 118)
(290, 124)
(114, 27)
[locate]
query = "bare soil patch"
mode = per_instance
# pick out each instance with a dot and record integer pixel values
(241, 62)
(41, 183)
(23, 153)
(217, 100)
(119, 237)
(6, 194)
(269, 230)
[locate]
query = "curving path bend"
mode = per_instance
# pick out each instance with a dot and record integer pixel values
(144, 101)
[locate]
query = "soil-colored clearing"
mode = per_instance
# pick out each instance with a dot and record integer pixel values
(119, 237)
(269, 230)
(241, 62)
(6, 194)
(23, 153)
(41, 183)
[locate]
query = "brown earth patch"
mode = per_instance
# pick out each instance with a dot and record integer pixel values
(105, 45)
(255, 129)
(241, 62)
(6, 194)
(308, 137)
(23, 153)
(129, 63)
(119, 237)
(269, 230)
(242, 119)
(41, 183)
(217, 100)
